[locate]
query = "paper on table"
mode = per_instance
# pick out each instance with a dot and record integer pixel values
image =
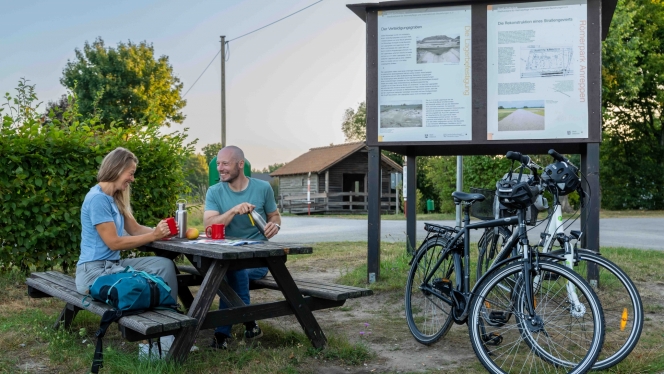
(226, 242)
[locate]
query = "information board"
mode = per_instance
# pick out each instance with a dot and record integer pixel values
(537, 70)
(424, 74)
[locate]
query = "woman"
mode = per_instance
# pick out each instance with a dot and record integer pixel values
(105, 214)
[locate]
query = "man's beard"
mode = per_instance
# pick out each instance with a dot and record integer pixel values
(233, 176)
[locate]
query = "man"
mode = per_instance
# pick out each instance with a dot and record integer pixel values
(229, 202)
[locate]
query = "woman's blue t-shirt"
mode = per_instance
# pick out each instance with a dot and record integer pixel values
(98, 208)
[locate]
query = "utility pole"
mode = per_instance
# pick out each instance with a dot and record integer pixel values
(223, 91)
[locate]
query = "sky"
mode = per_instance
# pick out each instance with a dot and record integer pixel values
(287, 86)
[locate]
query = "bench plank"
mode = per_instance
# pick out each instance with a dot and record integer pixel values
(63, 287)
(327, 291)
(137, 323)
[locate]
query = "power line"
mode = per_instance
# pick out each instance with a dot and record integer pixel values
(199, 77)
(251, 32)
(309, 6)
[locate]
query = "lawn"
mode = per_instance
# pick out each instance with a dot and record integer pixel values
(365, 335)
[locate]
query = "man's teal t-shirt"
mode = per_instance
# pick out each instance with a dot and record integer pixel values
(221, 198)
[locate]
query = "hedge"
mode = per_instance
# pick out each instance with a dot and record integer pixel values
(47, 169)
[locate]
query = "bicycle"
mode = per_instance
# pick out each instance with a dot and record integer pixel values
(620, 299)
(509, 313)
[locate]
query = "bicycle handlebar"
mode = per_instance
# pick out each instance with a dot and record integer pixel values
(517, 156)
(558, 157)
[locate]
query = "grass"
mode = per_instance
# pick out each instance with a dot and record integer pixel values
(29, 344)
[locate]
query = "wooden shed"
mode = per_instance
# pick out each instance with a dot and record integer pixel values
(338, 180)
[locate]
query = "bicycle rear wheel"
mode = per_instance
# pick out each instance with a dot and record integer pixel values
(428, 303)
(621, 303)
(564, 335)
(489, 246)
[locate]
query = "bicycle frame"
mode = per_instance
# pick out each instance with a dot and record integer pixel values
(464, 283)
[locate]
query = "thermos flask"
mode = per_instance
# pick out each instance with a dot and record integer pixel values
(181, 218)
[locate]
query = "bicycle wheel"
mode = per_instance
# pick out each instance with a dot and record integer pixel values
(621, 303)
(429, 304)
(564, 335)
(489, 246)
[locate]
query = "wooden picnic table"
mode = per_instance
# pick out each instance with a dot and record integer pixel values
(212, 261)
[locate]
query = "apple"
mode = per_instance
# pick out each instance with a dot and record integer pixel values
(192, 233)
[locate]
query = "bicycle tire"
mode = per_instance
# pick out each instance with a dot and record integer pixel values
(429, 317)
(567, 339)
(620, 299)
(489, 245)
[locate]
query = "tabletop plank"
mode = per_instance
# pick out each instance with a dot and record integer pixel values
(213, 251)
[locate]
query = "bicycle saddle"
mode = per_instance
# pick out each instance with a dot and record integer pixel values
(464, 196)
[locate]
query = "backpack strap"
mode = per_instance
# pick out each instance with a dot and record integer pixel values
(109, 316)
(154, 279)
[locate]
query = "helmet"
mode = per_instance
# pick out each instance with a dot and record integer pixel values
(514, 194)
(562, 176)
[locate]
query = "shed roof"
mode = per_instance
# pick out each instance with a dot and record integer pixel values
(320, 159)
(608, 7)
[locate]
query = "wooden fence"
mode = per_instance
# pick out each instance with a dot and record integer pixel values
(334, 202)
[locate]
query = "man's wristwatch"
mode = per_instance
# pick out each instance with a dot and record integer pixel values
(278, 227)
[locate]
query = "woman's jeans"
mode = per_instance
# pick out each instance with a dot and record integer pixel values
(239, 282)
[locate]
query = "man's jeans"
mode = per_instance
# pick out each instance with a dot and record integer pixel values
(239, 282)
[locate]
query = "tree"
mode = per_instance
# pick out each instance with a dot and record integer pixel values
(124, 84)
(196, 171)
(354, 123)
(632, 150)
(210, 151)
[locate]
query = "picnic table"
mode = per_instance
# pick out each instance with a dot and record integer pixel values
(210, 264)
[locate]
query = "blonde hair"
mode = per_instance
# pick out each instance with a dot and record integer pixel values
(112, 166)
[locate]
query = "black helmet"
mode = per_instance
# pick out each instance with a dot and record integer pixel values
(514, 194)
(562, 176)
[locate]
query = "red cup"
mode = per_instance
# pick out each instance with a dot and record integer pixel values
(216, 231)
(172, 226)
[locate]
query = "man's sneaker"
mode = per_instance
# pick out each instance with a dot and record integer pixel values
(220, 341)
(253, 332)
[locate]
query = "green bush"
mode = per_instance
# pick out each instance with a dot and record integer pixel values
(48, 168)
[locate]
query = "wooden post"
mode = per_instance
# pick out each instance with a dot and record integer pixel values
(373, 197)
(411, 207)
(327, 190)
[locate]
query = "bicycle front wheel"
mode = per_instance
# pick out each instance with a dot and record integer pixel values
(621, 303)
(564, 335)
(428, 302)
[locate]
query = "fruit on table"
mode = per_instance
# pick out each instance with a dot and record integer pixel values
(192, 233)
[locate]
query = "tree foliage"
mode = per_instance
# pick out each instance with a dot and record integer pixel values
(210, 151)
(632, 150)
(125, 84)
(48, 168)
(354, 123)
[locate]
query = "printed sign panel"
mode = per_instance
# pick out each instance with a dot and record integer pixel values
(424, 74)
(537, 70)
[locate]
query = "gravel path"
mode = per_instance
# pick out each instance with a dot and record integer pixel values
(521, 120)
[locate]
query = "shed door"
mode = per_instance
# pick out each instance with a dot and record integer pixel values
(354, 183)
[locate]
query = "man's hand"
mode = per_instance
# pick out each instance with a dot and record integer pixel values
(243, 208)
(271, 230)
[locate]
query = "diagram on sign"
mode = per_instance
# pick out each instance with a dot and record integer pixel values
(438, 48)
(538, 62)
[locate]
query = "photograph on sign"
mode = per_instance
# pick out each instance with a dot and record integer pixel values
(537, 70)
(424, 74)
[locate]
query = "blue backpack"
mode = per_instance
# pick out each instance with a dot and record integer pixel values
(128, 292)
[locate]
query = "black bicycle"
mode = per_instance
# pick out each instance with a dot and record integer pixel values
(524, 314)
(620, 299)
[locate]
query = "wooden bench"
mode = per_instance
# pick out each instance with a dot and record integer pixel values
(316, 289)
(146, 325)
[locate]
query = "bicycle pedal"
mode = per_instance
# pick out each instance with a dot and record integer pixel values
(492, 339)
(498, 317)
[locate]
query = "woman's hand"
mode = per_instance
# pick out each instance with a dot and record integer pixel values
(162, 230)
